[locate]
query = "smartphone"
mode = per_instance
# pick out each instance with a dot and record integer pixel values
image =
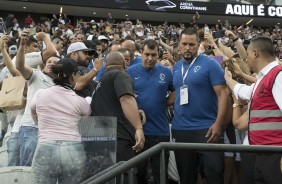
(219, 34)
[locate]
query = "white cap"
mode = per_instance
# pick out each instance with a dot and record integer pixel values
(102, 37)
(13, 49)
(92, 21)
(77, 46)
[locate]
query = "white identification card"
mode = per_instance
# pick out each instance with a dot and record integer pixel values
(183, 95)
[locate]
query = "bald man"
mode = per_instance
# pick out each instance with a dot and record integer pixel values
(114, 97)
(130, 45)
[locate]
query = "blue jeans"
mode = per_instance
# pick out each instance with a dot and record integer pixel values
(28, 138)
(13, 149)
(58, 160)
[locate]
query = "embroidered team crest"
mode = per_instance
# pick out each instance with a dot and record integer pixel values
(162, 77)
(196, 69)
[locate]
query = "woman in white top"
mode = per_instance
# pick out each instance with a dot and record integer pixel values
(59, 155)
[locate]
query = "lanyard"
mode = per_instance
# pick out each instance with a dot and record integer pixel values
(186, 73)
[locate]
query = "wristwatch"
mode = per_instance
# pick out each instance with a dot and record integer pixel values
(235, 105)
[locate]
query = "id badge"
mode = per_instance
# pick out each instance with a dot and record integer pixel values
(184, 95)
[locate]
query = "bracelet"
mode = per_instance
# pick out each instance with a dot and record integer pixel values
(95, 69)
(235, 39)
(138, 129)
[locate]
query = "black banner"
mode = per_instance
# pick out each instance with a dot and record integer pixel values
(211, 7)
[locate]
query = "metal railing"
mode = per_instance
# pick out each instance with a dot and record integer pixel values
(119, 168)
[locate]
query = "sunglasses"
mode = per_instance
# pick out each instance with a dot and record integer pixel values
(89, 52)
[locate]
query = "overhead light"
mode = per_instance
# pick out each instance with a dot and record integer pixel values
(126, 15)
(94, 13)
(24, 7)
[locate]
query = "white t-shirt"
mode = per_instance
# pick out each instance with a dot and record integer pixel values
(38, 80)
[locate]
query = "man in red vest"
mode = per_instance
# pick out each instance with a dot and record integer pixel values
(265, 110)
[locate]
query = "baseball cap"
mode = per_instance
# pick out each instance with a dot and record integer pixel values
(67, 66)
(13, 49)
(102, 37)
(77, 46)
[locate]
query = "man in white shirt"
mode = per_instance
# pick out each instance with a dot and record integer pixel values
(36, 79)
(265, 116)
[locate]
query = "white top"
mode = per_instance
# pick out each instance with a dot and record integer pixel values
(59, 111)
(244, 91)
(38, 80)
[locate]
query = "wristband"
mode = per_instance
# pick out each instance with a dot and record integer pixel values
(235, 39)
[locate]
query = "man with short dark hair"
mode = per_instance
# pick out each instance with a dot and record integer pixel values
(80, 37)
(113, 47)
(80, 53)
(201, 103)
(152, 83)
(265, 116)
(36, 79)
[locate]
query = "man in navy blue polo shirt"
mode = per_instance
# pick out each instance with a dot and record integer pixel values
(152, 82)
(201, 103)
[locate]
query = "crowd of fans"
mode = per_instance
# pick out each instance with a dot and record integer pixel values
(27, 48)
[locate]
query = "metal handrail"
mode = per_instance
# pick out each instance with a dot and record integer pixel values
(102, 172)
(183, 146)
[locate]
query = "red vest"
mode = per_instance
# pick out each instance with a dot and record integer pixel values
(265, 123)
